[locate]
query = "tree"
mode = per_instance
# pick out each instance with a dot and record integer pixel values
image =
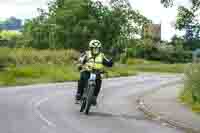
(188, 20)
(167, 3)
(131, 22)
(75, 22)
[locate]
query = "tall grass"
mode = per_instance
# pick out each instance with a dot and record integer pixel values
(32, 56)
(26, 66)
(191, 92)
(5, 57)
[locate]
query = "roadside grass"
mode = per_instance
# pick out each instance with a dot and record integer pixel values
(37, 73)
(160, 68)
(22, 66)
(142, 65)
(120, 70)
(186, 98)
(191, 92)
(45, 73)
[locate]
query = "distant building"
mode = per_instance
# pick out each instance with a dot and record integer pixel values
(152, 31)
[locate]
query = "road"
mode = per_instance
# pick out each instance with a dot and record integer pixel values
(50, 108)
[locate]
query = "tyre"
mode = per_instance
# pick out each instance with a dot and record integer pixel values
(89, 99)
(83, 104)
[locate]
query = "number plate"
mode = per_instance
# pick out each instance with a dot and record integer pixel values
(92, 76)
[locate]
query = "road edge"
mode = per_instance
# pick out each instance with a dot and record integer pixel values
(151, 115)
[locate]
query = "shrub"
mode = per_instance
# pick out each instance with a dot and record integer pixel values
(192, 81)
(148, 49)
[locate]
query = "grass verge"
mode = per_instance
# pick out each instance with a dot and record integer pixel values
(22, 66)
(166, 68)
(191, 92)
(43, 73)
(186, 98)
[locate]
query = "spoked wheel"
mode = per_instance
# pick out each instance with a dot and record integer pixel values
(87, 108)
(83, 104)
(89, 100)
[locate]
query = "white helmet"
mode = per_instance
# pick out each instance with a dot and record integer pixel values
(95, 44)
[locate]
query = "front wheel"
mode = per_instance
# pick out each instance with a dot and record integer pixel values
(83, 104)
(90, 99)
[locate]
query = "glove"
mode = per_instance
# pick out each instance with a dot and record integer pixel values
(79, 68)
(111, 63)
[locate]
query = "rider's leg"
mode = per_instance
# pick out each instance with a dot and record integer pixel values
(81, 84)
(78, 92)
(98, 87)
(97, 90)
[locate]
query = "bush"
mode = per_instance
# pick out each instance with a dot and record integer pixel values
(150, 50)
(10, 38)
(192, 81)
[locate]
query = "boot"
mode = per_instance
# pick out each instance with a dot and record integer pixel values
(77, 98)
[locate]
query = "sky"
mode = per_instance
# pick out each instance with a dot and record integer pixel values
(152, 9)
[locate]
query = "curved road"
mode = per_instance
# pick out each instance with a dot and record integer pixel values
(50, 108)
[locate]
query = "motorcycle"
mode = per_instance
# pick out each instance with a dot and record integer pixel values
(88, 97)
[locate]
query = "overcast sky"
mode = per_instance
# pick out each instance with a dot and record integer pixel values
(150, 8)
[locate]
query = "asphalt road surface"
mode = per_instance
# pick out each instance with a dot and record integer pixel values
(50, 108)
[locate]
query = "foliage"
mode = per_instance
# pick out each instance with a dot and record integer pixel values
(10, 38)
(173, 52)
(167, 3)
(18, 66)
(188, 19)
(9, 35)
(73, 23)
(191, 92)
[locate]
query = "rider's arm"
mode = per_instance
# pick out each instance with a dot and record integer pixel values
(82, 60)
(107, 62)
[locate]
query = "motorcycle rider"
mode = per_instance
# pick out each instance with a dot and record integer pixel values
(93, 58)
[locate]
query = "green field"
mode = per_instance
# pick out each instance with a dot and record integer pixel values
(29, 66)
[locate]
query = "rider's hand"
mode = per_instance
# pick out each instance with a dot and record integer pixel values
(79, 68)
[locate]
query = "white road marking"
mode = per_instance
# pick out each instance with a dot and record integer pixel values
(40, 115)
(37, 104)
